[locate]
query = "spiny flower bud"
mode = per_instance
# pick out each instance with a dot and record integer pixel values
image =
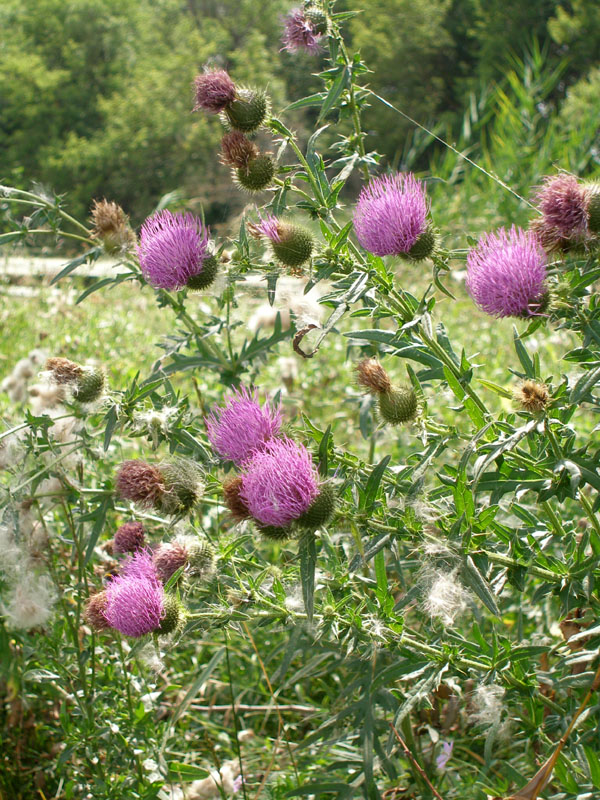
(87, 382)
(129, 538)
(320, 510)
(89, 386)
(237, 150)
(372, 376)
(248, 111)
(94, 612)
(111, 226)
(317, 18)
(173, 615)
(423, 247)
(398, 405)
(214, 91)
(233, 501)
(532, 396)
(201, 557)
(257, 174)
(292, 245)
(183, 486)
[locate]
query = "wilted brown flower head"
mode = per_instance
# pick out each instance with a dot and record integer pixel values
(94, 612)
(372, 376)
(140, 482)
(237, 150)
(129, 538)
(168, 558)
(532, 396)
(64, 371)
(108, 217)
(233, 501)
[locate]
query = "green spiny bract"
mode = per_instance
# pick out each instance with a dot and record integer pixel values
(248, 111)
(274, 533)
(294, 247)
(173, 616)
(423, 247)
(321, 509)
(257, 175)
(89, 385)
(317, 18)
(398, 405)
(201, 556)
(183, 486)
(203, 279)
(593, 208)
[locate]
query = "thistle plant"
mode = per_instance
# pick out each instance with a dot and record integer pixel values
(393, 598)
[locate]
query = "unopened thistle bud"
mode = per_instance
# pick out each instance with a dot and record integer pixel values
(257, 174)
(320, 510)
(397, 404)
(173, 615)
(173, 487)
(532, 396)
(201, 558)
(129, 538)
(87, 383)
(248, 111)
(292, 244)
(94, 611)
(233, 501)
(111, 226)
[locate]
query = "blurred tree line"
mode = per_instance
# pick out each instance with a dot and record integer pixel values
(96, 95)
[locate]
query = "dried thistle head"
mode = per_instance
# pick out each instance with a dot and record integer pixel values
(64, 371)
(233, 501)
(108, 217)
(372, 376)
(532, 396)
(94, 611)
(237, 150)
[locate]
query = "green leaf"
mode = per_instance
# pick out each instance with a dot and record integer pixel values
(373, 482)
(336, 89)
(91, 256)
(308, 562)
(186, 772)
(523, 355)
(475, 581)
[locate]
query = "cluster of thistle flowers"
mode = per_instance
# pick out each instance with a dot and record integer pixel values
(507, 271)
(277, 486)
(135, 602)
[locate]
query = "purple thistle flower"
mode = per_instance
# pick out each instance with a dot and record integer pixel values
(563, 202)
(279, 482)
(391, 214)
(172, 249)
(242, 425)
(214, 91)
(300, 34)
(506, 273)
(268, 227)
(135, 599)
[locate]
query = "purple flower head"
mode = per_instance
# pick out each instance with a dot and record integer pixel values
(242, 425)
(214, 91)
(391, 214)
(172, 249)
(279, 482)
(445, 755)
(135, 599)
(506, 273)
(300, 34)
(129, 538)
(268, 227)
(563, 203)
